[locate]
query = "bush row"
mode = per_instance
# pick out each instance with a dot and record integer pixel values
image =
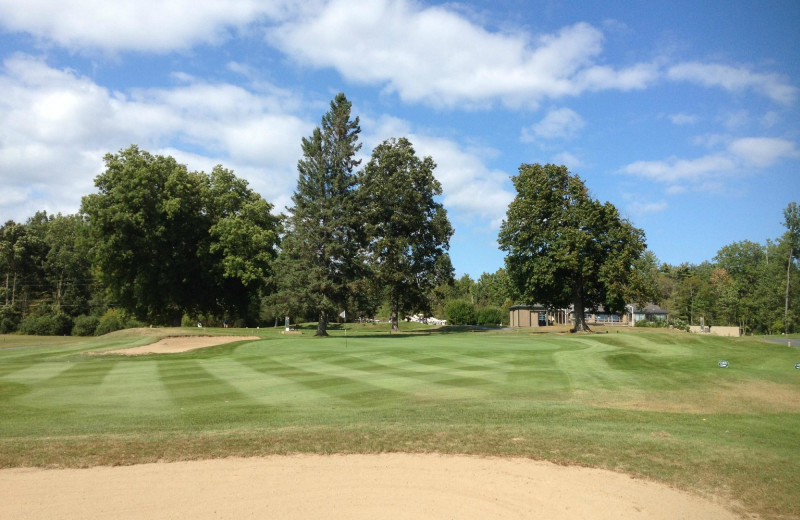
(60, 324)
(460, 312)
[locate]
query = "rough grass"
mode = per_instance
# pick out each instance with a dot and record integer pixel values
(653, 404)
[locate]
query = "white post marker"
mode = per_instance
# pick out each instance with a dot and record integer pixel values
(344, 316)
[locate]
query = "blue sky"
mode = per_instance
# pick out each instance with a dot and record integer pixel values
(682, 114)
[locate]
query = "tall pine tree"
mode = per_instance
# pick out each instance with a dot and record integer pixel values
(320, 263)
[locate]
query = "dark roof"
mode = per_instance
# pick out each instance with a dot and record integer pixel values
(650, 308)
(534, 307)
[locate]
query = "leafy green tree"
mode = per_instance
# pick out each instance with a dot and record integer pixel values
(407, 229)
(493, 289)
(67, 264)
(240, 246)
(321, 260)
(725, 297)
(146, 222)
(167, 241)
(791, 219)
(643, 284)
(445, 290)
(744, 261)
(562, 246)
(22, 254)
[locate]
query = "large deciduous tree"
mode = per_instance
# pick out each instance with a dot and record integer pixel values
(564, 247)
(169, 241)
(321, 262)
(408, 229)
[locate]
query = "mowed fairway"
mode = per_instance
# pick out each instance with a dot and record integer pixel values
(653, 404)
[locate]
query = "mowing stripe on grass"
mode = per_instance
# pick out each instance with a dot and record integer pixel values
(387, 377)
(191, 386)
(260, 383)
(133, 385)
(35, 373)
(336, 385)
(81, 374)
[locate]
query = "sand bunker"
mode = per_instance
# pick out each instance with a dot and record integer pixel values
(180, 344)
(344, 487)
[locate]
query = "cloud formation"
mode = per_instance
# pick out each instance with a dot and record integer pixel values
(560, 123)
(141, 25)
(58, 121)
(734, 79)
(436, 56)
(739, 157)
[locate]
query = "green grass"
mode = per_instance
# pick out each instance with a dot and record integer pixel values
(651, 403)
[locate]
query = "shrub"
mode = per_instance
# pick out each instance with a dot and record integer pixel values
(680, 324)
(48, 325)
(490, 316)
(85, 325)
(9, 320)
(460, 312)
(109, 322)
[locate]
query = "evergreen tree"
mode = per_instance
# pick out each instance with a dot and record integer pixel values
(321, 260)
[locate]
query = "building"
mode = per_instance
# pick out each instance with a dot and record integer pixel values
(535, 315)
(650, 312)
(538, 315)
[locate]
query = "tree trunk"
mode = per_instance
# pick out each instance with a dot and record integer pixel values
(322, 325)
(394, 319)
(786, 307)
(580, 319)
(59, 292)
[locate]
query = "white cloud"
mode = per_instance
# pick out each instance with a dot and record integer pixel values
(682, 119)
(569, 160)
(734, 79)
(674, 169)
(676, 189)
(147, 25)
(437, 56)
(642, 208)
(736, 119)
(763, 151)
(740, 156)
(561, 123)
(58, 126)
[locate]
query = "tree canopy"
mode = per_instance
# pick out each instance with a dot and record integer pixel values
(564, 247)
(408, 230)
(167, 240)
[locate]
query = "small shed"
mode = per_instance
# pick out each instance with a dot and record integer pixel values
(528, 316)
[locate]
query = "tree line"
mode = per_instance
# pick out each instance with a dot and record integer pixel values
(159, 244)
